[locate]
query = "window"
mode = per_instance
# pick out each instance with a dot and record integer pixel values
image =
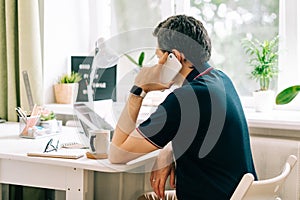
(228, 22)
(289, 30)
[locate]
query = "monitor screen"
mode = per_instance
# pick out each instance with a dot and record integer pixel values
(104, 83)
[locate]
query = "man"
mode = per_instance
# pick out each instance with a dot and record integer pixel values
(203, 119)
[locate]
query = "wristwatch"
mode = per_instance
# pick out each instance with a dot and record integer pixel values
(138, 91)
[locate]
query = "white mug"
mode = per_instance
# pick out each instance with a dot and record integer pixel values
(99, 141)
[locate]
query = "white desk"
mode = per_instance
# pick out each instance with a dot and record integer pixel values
(73, 176)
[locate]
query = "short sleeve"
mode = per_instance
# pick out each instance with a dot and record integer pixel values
(162, 126)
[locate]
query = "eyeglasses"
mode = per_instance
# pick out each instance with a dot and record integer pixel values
(50, 147)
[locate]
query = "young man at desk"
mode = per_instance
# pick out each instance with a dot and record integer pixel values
(203, 118)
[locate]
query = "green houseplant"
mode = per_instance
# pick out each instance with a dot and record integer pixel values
(287, 95)
(67, 88)
(48, 120)
(140, 60)
(263, 59)
(74, 77)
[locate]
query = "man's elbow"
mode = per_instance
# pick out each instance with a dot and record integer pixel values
(117, 155)
(115, 158)
(114, 155)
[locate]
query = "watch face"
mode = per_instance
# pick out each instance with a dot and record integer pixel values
(136, 90)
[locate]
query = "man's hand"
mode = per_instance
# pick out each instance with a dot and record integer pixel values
(149, 77)
(159, 177)
(164, 167)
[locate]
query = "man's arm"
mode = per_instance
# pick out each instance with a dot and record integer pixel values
(127, 144)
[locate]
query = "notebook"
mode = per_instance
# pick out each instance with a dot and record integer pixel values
(60, 153)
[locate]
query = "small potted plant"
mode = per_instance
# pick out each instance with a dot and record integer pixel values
(48, 120)
(67, 88)
(263, 59)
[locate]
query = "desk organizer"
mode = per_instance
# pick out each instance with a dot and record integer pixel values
(32, 127)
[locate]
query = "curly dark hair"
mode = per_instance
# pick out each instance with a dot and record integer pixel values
(186, 34)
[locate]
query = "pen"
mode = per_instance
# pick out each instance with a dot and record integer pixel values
(18, 112)
(22, 111)
(21, 114)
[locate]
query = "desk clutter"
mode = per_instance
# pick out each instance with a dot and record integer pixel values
(40, 122)
(71, 150)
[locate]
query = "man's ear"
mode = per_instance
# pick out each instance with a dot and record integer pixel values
(178, 55)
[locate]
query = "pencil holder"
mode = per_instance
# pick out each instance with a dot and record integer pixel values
(27, 124)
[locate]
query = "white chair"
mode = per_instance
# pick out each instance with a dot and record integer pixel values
(268, 189)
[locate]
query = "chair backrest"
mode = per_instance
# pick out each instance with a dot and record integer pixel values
(248, 189)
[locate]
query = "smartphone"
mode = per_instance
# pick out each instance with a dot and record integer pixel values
(170, 69)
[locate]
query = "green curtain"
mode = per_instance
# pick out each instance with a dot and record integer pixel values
(30, 50)
(9, 60)
(20, 49)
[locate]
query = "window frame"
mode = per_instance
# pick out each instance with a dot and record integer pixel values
(289, 52)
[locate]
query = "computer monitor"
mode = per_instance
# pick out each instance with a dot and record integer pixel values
(104, 81)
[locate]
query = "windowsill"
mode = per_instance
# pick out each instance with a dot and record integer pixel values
(282, 117)
(275, 119)
(278, 122)
(62, 109)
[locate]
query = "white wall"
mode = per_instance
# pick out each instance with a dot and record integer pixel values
(70, 27)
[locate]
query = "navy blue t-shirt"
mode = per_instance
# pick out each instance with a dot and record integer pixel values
(205, 121)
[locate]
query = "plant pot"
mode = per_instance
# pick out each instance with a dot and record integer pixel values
(66, 93)
(264, 100)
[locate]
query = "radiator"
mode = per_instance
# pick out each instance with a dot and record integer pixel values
(269, 156)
